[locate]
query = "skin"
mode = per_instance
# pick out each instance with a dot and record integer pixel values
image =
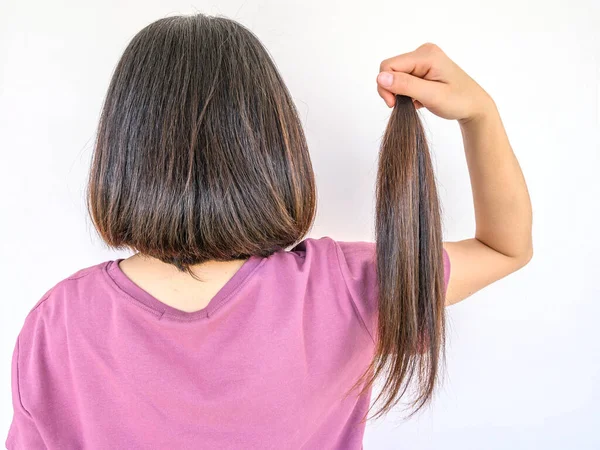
(174, 288)
(502, 243)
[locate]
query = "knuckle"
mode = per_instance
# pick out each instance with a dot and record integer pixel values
(430, 47)
(401, 82)
(404, 79)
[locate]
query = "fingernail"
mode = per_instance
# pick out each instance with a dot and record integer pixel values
(385, 79)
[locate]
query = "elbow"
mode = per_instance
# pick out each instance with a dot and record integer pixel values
(525, 257)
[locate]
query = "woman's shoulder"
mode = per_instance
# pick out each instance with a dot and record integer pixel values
(327, 244)
(66, 289)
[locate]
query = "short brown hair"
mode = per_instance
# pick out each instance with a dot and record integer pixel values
(200, 153)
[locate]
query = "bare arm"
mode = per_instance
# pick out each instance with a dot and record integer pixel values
(502, 242)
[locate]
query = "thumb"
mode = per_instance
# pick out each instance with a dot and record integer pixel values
(409, 85)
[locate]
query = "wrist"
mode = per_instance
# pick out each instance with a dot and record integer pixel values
(485, 109)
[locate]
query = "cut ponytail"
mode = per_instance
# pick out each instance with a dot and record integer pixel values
(410, 272)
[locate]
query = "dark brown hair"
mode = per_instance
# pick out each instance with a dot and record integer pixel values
(200, 155)
(410, 272)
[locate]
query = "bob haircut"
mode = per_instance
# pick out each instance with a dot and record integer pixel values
(200, 153)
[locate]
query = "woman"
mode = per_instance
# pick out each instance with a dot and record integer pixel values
(213, 335)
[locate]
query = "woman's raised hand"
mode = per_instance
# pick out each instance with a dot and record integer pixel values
(433, 81)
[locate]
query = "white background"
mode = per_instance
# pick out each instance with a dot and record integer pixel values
(524, 354)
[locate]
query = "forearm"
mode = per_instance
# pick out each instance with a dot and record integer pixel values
(500, 196)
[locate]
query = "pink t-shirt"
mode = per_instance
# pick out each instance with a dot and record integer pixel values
(101, 364)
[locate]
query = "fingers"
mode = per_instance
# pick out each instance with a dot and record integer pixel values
(404, 84)
(412, 74)
(418, 62)
(388, 97)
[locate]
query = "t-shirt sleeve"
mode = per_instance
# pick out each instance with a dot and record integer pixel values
(23, 433)
(357, 262)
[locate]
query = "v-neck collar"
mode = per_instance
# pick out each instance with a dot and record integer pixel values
(124, 284)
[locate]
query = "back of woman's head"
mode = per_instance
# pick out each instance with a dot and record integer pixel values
(200, 154)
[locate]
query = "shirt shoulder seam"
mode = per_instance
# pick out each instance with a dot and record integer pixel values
(354, 306)
(17, 376)
(46, 296)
